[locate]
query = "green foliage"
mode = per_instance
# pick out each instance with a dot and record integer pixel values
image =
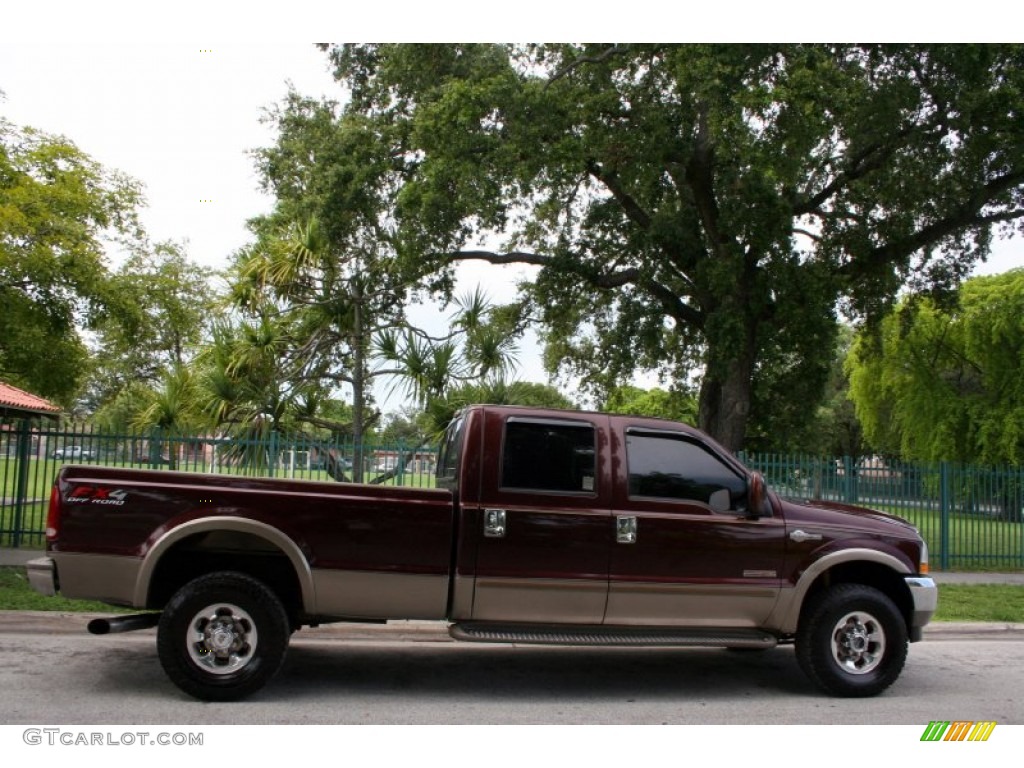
(946, 383)
(699, 209)
(59, 210)
(160, 306)
(441, 410)
(657, 403)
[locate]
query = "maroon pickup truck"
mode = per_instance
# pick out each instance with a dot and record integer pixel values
(556, 527)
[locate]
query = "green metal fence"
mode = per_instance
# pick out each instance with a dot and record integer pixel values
(972, 517)
(30, 456)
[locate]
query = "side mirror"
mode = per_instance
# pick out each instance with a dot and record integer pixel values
(757, 495)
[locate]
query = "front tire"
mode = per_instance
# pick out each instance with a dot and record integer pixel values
(852, 641)
(222, 636)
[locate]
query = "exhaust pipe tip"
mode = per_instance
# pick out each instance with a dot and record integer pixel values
(130, 623)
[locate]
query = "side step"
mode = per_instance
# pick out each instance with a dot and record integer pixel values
(560, 634)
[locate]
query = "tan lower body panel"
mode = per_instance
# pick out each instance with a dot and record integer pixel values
(107, 578)
(372, 595)
(691, 605)
(544, 601)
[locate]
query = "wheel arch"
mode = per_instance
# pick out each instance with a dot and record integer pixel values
(248, 539)
(853, 566)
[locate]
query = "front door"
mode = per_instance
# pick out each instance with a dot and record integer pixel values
(687, 553)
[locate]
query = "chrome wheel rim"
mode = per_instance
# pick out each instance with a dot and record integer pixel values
(858, 643)
(222, 639)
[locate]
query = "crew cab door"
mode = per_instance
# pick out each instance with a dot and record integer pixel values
(543, 521)
(687, 553)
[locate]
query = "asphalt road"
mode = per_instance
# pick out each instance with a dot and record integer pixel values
(51, 671)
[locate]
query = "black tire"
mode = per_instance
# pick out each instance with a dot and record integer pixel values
(222, 636)
(852, 641)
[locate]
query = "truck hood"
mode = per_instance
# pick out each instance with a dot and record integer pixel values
(837, 514)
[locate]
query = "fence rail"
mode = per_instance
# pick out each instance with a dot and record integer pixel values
(972, 517)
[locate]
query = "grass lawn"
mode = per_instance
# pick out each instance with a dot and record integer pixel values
(957, 602)
(17, 595)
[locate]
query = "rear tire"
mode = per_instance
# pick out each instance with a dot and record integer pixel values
(852, 641)
(223, 636)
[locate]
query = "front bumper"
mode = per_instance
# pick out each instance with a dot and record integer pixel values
(925, 595)
(42, 575)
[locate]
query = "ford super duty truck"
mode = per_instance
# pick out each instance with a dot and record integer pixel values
(556, 527)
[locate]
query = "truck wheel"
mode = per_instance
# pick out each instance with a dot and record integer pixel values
(222, 636)
(852, 641)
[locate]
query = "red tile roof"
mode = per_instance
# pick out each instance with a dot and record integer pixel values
(19, 399)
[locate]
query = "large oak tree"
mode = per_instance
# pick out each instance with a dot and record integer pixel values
(701, 210)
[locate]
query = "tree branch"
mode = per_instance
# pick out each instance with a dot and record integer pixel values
(672, 304)
(595, 59)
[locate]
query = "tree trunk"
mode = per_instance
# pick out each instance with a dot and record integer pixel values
(358, 391)
(725, 396)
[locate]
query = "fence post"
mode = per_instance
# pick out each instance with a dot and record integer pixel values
(944, 507)
(21, 487)
(850, 486)
(273, 453)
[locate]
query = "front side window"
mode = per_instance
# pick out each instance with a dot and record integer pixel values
(673, 467)
(548, 456)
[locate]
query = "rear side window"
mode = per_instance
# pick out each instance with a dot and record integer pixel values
(672, 467)
(556, 457)
(448, 461)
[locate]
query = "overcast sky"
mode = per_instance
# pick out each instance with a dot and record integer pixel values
(182, 117)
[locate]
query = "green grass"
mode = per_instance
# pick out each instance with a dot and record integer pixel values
(17, 595)
(981, 602)
(957, 602)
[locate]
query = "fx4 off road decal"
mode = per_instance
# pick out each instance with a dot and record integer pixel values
(92, 494)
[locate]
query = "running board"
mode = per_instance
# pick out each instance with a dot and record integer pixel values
(552, 634)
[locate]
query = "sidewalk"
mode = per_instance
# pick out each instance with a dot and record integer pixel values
(15, 557)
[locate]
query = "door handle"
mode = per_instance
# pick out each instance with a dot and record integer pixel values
(625, 529)
(494, 523)
(800, 536)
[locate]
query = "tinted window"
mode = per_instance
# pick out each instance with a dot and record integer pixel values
(448, 461)
(543, 456)
(670, 467)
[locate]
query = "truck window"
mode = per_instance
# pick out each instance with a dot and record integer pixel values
(548, 456)
(448, 461)
(672, 467)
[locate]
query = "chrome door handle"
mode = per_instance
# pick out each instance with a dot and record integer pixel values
(625, 529)
(800, 537)
(494, 523)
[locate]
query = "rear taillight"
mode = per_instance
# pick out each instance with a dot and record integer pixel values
(53, 515)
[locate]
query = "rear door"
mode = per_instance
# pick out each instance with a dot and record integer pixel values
(544, 525)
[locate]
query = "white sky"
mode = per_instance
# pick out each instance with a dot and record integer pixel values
(180, 117)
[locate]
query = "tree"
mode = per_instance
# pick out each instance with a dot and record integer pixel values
(947, 383)
(328, 260)
(656, 403)
(59, 210)
(700, 208)
(162, 303)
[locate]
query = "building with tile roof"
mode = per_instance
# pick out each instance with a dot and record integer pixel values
(18, 403)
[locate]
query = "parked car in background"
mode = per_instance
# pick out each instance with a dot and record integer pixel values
(73, 452)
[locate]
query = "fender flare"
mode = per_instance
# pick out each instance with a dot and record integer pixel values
(264, 531)
(786, 615)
